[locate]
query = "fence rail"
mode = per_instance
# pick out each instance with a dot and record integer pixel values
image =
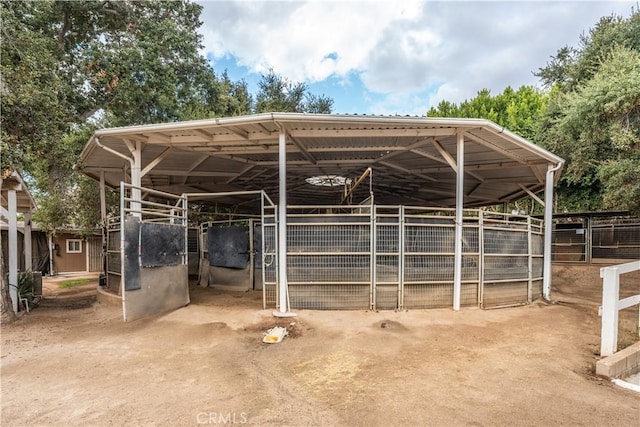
(388, 257)
(612, 304)
(155, 207)
(582, 239)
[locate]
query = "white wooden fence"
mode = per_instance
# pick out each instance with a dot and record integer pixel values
(612, 304)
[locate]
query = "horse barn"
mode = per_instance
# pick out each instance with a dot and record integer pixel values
(324, 211)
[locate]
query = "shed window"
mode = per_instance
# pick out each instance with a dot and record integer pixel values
(74, 246)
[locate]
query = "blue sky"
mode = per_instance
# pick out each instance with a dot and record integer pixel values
(348, 92)
(385, 57)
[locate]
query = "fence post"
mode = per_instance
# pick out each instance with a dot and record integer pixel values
(610, 295)
(401, 237)
(373, 234)
(480, 258)
(529, 261)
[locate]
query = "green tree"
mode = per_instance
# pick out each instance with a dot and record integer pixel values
(63, 63)
(278, 94)
(518, 110)
(572, 66)
(593, 116)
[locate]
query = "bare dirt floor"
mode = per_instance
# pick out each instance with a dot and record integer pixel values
(72, 361)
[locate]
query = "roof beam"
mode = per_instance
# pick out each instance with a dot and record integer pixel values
(445, 193)
(428, 156)
(494, 147)
(102, 168)
(405, 170)
(222, 155)
(155, 162)
(473, 190)
(179, 172)
(372, 132)
(204, 134)
(375, 148)
(242, 134)
(539, 176)
(446, 155)
(533, 195)
(303, 150)
(401, 150)
(237, 149)
(485, 166)
(129, 145)
(395, 191)
(194, 165)
(242, 172)
(161, 137)
(512, 196)
(256, 175)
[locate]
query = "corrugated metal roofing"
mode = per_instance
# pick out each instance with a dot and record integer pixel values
(405, 154)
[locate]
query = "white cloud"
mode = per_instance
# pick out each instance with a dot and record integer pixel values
(401, 49)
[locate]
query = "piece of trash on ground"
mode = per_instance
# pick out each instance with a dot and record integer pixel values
(275, 335)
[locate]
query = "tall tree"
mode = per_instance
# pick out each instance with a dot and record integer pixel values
(278, 94)
(517, 110)
(593, 116)
(64, 63)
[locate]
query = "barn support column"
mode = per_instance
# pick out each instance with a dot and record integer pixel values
(457, 274)
(28, 256)
(12, 205)
(103, 222)
(103, 200)
(136, 174)
(50, 239)
(136, 179)
(548, 229)
(283, 293)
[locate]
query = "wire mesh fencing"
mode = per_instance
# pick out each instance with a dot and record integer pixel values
(615, 239)
(595, 237)
(270, 256)
(329, 256)
(391, 257)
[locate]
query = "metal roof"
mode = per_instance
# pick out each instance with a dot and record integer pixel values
(12, 180)
(409, 156)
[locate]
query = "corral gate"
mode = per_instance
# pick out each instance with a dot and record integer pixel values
(595, 238)
(231, 254)
(147, 252)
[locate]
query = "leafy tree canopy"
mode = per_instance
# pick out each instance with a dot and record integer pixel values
(278, 94)
(593, 117)
(518, 110)
(68, 67)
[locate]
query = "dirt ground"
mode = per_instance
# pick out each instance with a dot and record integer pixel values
(73, 361)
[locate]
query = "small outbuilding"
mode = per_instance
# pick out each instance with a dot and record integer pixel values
(347, 211)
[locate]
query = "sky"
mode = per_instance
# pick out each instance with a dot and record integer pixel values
(395, 57)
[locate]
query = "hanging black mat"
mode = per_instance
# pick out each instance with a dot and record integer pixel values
(228, 246)
(161, 244)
